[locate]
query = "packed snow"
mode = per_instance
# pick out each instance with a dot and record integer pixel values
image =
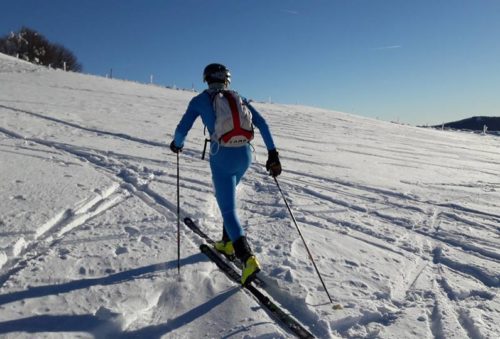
(403, 222)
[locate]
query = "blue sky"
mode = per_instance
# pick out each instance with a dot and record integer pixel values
(417, 62)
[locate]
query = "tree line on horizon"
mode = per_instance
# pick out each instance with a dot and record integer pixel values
(29, 45)
(476, 123)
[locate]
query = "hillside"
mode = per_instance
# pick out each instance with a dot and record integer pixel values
(403, 222)
(475, 124)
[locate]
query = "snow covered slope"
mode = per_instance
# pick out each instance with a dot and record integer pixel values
(404, 223)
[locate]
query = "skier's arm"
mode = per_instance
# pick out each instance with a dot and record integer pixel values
(185, 124)
(263, 127)
(273, 164)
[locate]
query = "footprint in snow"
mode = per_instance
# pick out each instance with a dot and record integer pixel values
(351, 264)
(147, 241)
(17, 197)
(121, 250)
(357, 283)
(132, 231)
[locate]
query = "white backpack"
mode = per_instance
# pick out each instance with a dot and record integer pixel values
(233, 119)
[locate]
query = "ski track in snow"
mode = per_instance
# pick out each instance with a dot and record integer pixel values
(117, 135)
(447, 250)
(439, 237)
(69, 219)
(50, 233)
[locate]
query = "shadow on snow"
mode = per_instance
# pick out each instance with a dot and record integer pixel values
(105, 328)
(94, 324)
(41, 291)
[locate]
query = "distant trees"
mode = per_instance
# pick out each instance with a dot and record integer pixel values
(29, 45)
(476, 123)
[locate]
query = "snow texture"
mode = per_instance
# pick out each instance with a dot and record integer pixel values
(403, 222)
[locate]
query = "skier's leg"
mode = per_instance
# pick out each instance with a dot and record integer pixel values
(228, 167)
(227, 170)
(245, 163)
(225, 193)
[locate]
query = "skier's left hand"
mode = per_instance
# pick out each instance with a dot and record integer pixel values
(273, 164)
(174, 147)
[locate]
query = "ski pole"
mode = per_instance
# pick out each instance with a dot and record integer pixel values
(178, 220)
(300, 233)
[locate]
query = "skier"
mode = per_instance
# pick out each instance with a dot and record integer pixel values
(228, 165)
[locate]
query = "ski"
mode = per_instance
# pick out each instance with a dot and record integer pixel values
(196, 229)
(286, 319)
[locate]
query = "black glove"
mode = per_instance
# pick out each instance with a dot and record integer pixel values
(273, 164)
(174, 148)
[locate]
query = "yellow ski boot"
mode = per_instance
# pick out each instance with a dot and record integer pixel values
(250, 269)
(226, 248)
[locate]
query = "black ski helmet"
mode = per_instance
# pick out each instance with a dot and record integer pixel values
(216, 73)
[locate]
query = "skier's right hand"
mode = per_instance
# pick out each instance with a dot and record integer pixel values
(174, 147)
(273, 164)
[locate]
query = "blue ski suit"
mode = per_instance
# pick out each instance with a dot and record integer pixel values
(228, 164)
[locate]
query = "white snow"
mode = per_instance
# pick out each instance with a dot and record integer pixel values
(403, 222)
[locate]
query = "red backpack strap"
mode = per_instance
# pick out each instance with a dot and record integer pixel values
(237, 130)
(234, 108)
